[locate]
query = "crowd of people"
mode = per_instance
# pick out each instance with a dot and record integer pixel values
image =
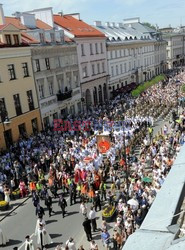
(70, 163)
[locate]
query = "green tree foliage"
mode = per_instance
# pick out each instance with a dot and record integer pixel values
(142, 87)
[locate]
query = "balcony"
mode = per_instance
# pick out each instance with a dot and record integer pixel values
(64, 96)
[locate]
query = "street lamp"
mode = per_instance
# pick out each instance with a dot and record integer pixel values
(5, 121)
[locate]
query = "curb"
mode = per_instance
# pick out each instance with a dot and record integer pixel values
(15, 208)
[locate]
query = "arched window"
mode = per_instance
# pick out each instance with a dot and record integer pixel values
(100, 94)
(95, 96)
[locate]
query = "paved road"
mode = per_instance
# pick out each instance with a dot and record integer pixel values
(22, 222)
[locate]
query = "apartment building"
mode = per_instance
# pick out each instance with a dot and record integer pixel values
(175, 48)
(19, 109)
(135, 53)
(57, 81)
(91, 53)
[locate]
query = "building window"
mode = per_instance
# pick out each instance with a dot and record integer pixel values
(91, 49)
(22, 129)
(117, 73)
(25, 69)
(4, 114)
(17, 104)
(16, 39)
(8, 39)
(84, 71)
(98, 68)
(93, 69)
(112, 70)
(37, 64)
(96, 48)
(41, 36)
(103, 67)
(11, 70)
(101, 46)
(50, 88)
(34, 125)
(125, 67)
(82, 49)
(30, 100)
(52, 36)
(121, 68)
(41, 91)
(47, 63)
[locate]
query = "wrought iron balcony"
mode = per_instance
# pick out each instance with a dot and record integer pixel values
(64, 96)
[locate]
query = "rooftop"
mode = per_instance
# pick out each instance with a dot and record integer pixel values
(76, 27)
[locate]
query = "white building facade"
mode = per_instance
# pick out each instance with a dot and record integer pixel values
(175, 49)
(57, 81)
(134, 54)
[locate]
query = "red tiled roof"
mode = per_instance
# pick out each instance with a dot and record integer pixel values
(16, 22)
(77, 27)
(41, 25)
(28, 39)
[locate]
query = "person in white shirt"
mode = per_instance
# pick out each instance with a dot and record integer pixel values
(92, 217)
(29, 243)
(83, 209)
(70, 244)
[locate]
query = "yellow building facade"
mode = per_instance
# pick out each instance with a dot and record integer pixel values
(19, 109)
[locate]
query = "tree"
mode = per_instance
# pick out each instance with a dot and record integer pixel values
(149, 25)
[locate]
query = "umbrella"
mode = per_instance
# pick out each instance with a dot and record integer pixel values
(133, 202)
(147, 179)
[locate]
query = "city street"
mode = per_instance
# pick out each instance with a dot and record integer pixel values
(22, 221)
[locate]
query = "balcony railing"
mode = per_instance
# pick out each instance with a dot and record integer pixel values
(64, 96)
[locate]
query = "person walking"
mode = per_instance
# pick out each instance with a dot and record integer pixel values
(63, 204)
(48, 203)
(3, 239)
(87, 228)
(43, 238)
(29, 245)
(39, 211)
(70, 244)
(97, 201)
(92, 217)
(83, 209)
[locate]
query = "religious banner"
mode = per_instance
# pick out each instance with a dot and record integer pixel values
(103, 143)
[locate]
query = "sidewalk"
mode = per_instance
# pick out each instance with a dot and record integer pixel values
(14, 204)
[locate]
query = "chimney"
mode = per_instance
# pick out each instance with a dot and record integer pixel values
(112, 25)
(119, 25)
(97, 23)
(2, 19)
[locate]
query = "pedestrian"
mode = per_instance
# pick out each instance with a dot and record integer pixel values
(39, 221)
(63, 204)
(97, 201)
(39, 211)
(103, 188)
(29, 245)
(48, 203)
(43, 237)
(3, 239)
(70, 244)
(105, 236)
(83, 209)
(92, 217)
(87, 228)
(93, 245)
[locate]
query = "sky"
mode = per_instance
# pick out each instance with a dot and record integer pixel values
(160, 12)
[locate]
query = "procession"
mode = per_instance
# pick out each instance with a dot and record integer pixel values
(99, 168)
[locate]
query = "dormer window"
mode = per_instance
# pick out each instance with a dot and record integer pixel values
(16, 39)
(8, 39)
(41, 35)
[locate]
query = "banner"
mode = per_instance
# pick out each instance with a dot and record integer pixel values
(103, 143)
